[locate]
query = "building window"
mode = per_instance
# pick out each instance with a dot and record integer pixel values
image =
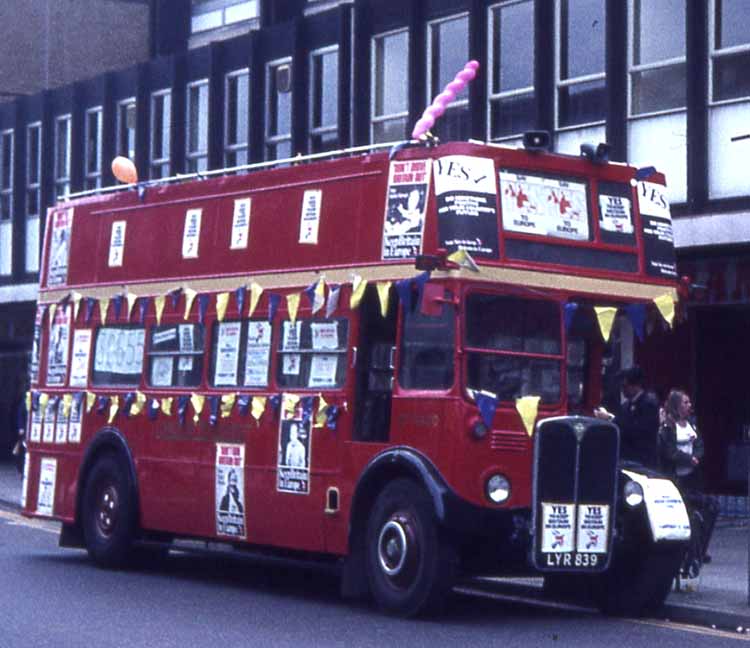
(279, 109)
(197, 126)
(93, 138)
(33, 194)
(581, 83)
(390, 84)
(324, 100)
(126, 116)
(730, 50)
(447, 53)
(236, 117)
(511, 108)
(161, 132)
(6, 175)
(62, 155)
(213, 14)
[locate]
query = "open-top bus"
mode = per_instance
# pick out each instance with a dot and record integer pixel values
(383, 360)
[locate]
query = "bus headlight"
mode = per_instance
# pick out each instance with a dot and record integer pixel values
(498, 489)
(633, 493)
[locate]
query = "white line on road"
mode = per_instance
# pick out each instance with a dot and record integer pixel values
(14, 519)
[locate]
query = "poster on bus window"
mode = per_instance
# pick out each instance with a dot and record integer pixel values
(36, 346)
(61, 425)
(406, 203)
(227, 353)
(79, 366)
(615, 214)
(257, 354)
(48, 433)
(59, 247)
(45, 501)
(293, 470)
(76, 418)
(59, 341)
(35, 436)
(544, 206)
(230, 490)
(323, 370)
(466, 198)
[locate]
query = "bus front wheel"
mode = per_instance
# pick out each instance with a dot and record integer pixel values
(108, 513)
(410, 566)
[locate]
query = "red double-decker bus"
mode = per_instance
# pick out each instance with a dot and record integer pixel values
(382, 360)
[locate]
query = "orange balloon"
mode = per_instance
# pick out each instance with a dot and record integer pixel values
(124, 170)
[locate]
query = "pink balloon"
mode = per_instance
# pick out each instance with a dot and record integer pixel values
(124, 170)
(456, 86)
(466, 75)
(474, 65)
(420, 128)
(436, 109)
(445, 97)
(429, 121)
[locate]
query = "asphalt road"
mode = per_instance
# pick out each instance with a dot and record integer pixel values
(55, 598)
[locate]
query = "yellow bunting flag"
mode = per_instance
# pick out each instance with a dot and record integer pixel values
(90, 400)
(319, 298)
(103, 306)
(292, 305)
(227, 403)
(288, 405)
(464, 260)
(258, 407)
(189, 299)
(52, 309)
(384, 289)
(320, 415)
(114, 406)
(527, 407)
(159, 307)
(222, 300)
(256, 290)
(28, 401)
(605, 315)
(166, 405)
(43, 400)
(197, 400)
(358, 290)
(131, 298)
(136, 407)
(665, 304)
(67, 401)
(76, 304)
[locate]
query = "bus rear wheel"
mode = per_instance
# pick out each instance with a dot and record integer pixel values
(410, 566)
(108, 513)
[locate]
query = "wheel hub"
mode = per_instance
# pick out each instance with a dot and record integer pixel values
(107, 510)
(399, 550)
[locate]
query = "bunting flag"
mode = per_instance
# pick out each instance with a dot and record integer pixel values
(569, 311)
(289, 404)
(189, 298)
(213, 409)
(197, 401)
(243, 404)
(127, 402)
(487, 404)
(159, 308)
(275, 402)
(131, 298)
(76, 304)
(527, 407)
(137, 406)
(27, 402)
(310, 293)
(78, 400)
(239, 296)
(153, 409)
(174, 297)
(227, 403)
(202, 306)
(332, 303)
(636, 313)
(259, 406)
(103, 306)
(117, 306)
(403, 290)
(182, 403)
(320, 415)
(166, 406)
(384, 289)
(358, 290)
(90, 301)
(101, 404)
(273, 305)
(292, 304)
(319, 298)
(307, 407)
(52, 310)
(114, 407)
(665, 304)
(43, 402)
(90, 400)
(35, 401)
(464, 260)
(420, 280)
(67, 401)
(332, 416)
(142, 308)
(605, 315)
(222, 301)
(256, 290)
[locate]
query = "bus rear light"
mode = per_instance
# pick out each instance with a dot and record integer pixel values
(498, 488)
(478, 430)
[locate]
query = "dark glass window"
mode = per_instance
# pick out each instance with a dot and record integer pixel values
(312, 353)
(175, 355)
(240, 353)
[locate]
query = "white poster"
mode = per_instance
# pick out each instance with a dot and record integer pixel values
(161, 371)
(117, 244)
(293, 470)
(558, 522)
(291, 337)
(325, 335)
(166, 335)
(290, 364)
(59, 341)
(323, 370)
(119, 351)
(240, 224)
(79, 368)
(230, 490)
(544, 206)
(76, 418)
(310, 218)
(653, 200)
(406, 203)
(59, 247)
(191, 233)
(615, 214)
(667, 514)
(25, 483)
(48, 435)
(227, 353)
(61, 425)
(186, 337)
(35, 435)
(45, 502)
(257, 354)
(593, 528)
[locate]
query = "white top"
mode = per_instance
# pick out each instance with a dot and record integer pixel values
(685, 435)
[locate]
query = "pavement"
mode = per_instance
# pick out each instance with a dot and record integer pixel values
(720, 599)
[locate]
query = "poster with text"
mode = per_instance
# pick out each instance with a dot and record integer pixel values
(45, 501)
(466, 200)
(117, 244)
(35, 435)
(76, 418)
(79, 367)
(257, 354)
(406, 204)
(615, 214)
(36, 346)
(293, 468)
(61, 425)
(59, 342)
(240, 224)
(48, 434)
(59, 247)
(230, 490)
(191, 234)
(309, 221)
(658, 238)
(558, 527)
(227, 353)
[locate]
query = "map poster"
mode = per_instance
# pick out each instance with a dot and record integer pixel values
(406, 204)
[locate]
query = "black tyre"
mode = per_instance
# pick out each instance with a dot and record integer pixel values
(410, 566)
(108, 513)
